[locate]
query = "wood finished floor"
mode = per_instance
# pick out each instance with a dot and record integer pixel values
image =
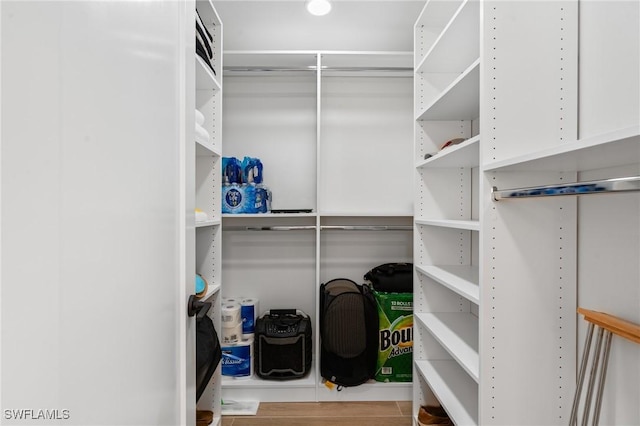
(383, 413)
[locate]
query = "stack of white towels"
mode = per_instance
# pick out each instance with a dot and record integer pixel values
(202, 135)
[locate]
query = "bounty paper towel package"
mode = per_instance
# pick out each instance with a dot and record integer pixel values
(395, 314)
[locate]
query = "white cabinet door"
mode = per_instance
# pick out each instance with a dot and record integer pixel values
(94, 214)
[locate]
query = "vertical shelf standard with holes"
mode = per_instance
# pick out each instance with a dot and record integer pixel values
(207, 185)
(446, 209)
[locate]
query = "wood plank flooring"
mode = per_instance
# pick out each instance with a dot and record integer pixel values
(382, 413)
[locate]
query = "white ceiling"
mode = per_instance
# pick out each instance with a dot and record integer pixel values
(374, 25)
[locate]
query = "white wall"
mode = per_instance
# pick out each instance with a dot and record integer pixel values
(91, 219)
(609, 225)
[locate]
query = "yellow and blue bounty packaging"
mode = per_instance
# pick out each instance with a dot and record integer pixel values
(395, 356)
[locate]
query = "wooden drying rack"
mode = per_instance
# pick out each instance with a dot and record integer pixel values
(608, 325)
(616, 325)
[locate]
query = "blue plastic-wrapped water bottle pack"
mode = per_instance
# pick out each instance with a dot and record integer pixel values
(242, 188)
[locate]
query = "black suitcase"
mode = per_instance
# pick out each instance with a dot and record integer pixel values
(391, 278)
(283, 344)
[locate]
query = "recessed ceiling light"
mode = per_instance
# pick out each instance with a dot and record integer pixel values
(318, 7)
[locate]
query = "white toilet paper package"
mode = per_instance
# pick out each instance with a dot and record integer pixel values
(237, 359)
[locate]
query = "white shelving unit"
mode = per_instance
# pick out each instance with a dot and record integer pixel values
(593, 225)
(457, 332)
(324, 124)
(459, 99)
(528, 279)
(606, 150)
(470, 225)
(465, 154)
(506, 285)
(461, 279)
(455, 389)
(447, 224)
(208, 187)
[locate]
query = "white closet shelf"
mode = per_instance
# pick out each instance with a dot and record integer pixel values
(254, 382)
(211, 290)
(617, 148)
(366, 228)
(454, 389)
(323, 228)
(206, 149)
(457, 332)
(208, 223)
(205, 79)
(271, 228)
(370, 61)
(462, 279)
(459, 101)
(465, 154)
(471, 225)
(270, 59)
(365, 214)
(435, 16)
(463, 26)
(370, 391)
(267, 215)
(208, 12)
(328, 215)
(305, 60)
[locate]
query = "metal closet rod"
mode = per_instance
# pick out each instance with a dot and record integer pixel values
(322, 228)
(625, 184)
(367, 227)
(270, 228)
(314, 68)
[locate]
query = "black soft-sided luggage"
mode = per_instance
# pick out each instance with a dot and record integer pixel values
(348, 331)
(391, 278)
(208, 353)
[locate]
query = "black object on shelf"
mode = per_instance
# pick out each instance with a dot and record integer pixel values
(208, 349)
(283, 344)
(291, 210)
(197, 308)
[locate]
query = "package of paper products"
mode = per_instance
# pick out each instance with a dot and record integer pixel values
(246, 198)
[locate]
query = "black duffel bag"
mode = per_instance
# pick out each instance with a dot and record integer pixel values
(391, 277)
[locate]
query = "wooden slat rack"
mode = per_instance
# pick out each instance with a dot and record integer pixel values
(608, 325)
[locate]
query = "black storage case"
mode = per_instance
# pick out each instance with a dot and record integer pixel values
(283, 344)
